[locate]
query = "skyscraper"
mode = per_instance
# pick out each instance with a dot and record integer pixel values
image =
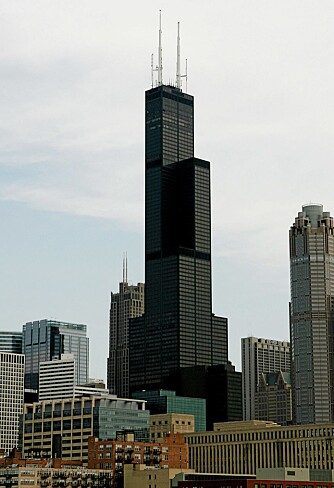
(11, 398)
(127, 303)
(311, 314)
(178, 329)
(11, 341)
(44, 340)
(260, 356)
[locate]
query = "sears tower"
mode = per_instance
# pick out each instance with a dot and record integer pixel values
(178, 329)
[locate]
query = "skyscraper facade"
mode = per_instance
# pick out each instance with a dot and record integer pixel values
(11, 342)
(311, 314)
(178, 329)
(11, 398)
(259, 356)
(44, 340)
(127, 303)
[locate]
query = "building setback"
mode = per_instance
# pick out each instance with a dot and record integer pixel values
(311, 314)
(126, 304)
(259, 356)
(11, 398)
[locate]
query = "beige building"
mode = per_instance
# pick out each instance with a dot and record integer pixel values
(170, 423)
(141, 476)
(242, 447)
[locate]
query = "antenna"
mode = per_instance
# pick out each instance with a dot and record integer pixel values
(152, 70)
(125, 267)
(159, 67)
(178, 73)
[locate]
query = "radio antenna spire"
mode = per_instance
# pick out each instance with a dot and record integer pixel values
(178, 67)
(160, 52)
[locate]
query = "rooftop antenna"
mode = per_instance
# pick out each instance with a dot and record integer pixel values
(178, 63)
(178, 69)
(125, 268)
(159, 67)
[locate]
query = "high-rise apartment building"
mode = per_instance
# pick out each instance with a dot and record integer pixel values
(126, 304)
(311, 314)
(11, 398)
(260, 356)
(178, 329)
(11, 342)
(44, 340)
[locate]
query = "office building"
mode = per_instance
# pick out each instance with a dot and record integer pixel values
(178, 329)
(11, 342)
(44, 340)
(273, 398)
(260, 356)
(170, 423)
(57, 378)
(311, 315)
(244, 447)
(126, 304)
(61, 427)
(11, 398)
(167, 402)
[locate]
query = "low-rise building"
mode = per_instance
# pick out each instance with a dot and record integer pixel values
(243, 447)
(170, 423)
(142, 476)
(60, 428)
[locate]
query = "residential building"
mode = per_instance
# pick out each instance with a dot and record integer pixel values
(11, 341)
(11, 399)
(44, 340)
(126, 304)
(171, 452)
(244, 447)
(273, 398)
(170, 423)
(61, 427)
(36, 476)
(166, 401)
(57, 378)
(311, 314)
(259, 356)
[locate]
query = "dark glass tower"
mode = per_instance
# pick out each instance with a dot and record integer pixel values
(178, 329)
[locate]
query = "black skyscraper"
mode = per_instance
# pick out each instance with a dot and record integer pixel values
(178, 329)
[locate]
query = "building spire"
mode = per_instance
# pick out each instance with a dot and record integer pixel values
(125, 268)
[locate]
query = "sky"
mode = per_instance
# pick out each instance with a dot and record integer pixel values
(72, 79)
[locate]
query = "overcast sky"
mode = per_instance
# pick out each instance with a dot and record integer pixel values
(72, 80)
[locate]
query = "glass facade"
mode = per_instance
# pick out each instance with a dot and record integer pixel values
(178, 328)
(311, 314)
(11, 342)
(45, 339)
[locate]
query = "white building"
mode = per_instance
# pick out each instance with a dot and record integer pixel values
(11, 398)
(57, 378)
(260, 356)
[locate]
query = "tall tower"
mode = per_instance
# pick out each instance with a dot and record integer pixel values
(178, 329)
(311, 314)
(126, 304)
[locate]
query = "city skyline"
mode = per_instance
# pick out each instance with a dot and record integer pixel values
(73, 128)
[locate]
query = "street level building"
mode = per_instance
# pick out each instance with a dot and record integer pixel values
(311, 314)
(11, 342)
(126, 304)
(273, 399)
(11, 399)
(259, 356)
(60, 428)
(45, 339)
(244, 447)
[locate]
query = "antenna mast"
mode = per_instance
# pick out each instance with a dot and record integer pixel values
(159, 67)
(178, 69)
